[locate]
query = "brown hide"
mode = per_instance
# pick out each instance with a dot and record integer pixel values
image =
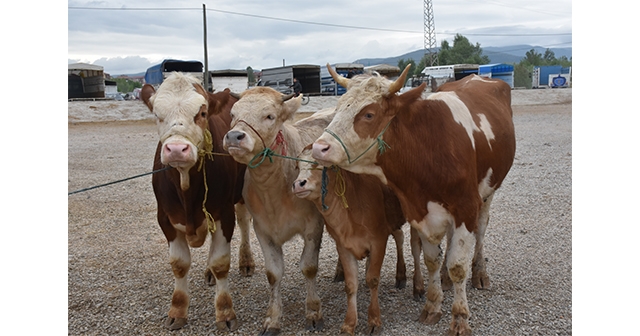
(373, 212)
(431, 157)
(224, 180)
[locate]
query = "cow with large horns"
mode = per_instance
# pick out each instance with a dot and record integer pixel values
(262, 126)
(443, 156)
(198, 194)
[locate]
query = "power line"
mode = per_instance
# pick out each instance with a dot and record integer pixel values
(300, 21)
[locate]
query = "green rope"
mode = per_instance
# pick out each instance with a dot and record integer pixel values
(382, 146)
(268, 153)
(323, 188)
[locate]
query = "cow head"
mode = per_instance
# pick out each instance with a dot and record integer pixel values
(257, 119)
(309, 181)
(182, 109)
(362, 115)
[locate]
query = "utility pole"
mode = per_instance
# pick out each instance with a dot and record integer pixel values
(430, 34)
(206, 55)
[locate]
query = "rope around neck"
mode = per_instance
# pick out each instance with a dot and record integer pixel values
(206, 151)
(382, 146)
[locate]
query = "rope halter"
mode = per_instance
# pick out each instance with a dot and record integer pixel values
(382, 146)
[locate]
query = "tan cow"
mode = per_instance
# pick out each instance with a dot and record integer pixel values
(261, 120)
(360, 213)
(444, 157)
(198, 195)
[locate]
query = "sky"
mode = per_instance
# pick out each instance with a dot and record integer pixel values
(127, 37)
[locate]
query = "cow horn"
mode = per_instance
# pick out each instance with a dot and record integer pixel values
(234, 95)
(399, 83)
(287, 97)
(339, 79)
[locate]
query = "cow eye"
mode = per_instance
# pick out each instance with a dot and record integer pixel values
(203, 114)
(270, 117)
(368, 116)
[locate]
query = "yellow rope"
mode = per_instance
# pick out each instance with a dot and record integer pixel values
(341, 187)
(206, 150)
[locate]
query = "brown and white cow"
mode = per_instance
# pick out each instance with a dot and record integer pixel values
(261, 120)
(191, 124)
(444, 157)
(360, 213)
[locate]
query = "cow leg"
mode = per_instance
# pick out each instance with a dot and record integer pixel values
(180, 260)
(432, 311)
(431, 230)
(245, 262)
(274, 265)
(479, 276)
(219, 262)
(350, 266)
(373, 280)
(418, 281)
(444, 273)
(309, 267)
(401, 267)
(458, 264)
(339, 276)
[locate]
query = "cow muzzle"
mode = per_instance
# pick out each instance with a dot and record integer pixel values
(299, 188)
(178, 153)
(324, 153)
(238, 144)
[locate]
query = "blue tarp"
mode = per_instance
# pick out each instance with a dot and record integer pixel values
(154, 74)
(495, 68)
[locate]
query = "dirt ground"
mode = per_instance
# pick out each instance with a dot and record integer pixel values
(120, 281)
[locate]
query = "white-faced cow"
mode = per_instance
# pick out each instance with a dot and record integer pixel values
(360, 213)
(198, 195)
(261, 122)
(444, 157)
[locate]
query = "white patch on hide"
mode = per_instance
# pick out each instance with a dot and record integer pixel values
(434, 225)
(460, 112)
(484, 188)
(485, 126)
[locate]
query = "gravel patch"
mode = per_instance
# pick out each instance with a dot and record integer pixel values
(120, 281)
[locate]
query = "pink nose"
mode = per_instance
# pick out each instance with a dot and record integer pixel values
(320, 150)
(298, 185)
(176, 152)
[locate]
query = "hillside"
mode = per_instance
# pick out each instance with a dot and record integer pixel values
(509, 54)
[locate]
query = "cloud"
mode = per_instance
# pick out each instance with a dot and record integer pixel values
(261, 34)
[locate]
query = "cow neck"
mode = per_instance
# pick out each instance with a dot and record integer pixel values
(382, 146)
(205, 151)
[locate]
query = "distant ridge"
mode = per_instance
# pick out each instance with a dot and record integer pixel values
(509, 54)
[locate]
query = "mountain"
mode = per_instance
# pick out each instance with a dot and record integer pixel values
(509, 54)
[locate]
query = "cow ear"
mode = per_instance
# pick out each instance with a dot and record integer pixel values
(291, 106)
(146, 95)
(413, 94)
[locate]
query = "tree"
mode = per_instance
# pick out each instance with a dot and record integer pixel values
(524, 70)
(403, 64)
(126, 85)
(462, 52)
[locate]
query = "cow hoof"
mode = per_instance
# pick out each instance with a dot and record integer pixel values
(430, 318)
(314, 325)
(247, 270)
(270, 332)
(375, 330)
(480, 282)
(230, 325)
(175, 323)
(401, 283)
(209, 278)
(459, 327)
(418, 295)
